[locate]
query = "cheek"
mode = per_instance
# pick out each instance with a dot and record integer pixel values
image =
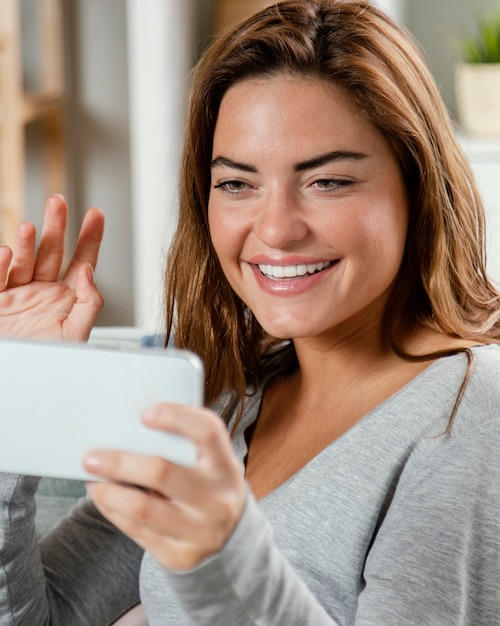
(216, 227)
(389, 238)
(224, 233)
(377, 238)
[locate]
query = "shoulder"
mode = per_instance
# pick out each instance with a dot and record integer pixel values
(473, 379)
(472, 445)
(482, 391)
(471, 449)
(462, 465)
(487, 359)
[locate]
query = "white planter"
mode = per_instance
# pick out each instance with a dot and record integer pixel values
(394, 8)
(477, 90)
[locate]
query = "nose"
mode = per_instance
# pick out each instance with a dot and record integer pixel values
(280, 221)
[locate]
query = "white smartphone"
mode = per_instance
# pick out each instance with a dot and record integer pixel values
(59, 400)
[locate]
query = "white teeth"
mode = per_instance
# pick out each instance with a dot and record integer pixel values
(292, 271)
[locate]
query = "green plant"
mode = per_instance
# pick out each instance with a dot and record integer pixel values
(485, 48)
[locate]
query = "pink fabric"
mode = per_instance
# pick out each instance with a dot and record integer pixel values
(134, 617)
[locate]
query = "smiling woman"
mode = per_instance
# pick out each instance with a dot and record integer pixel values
(320, 190)
(328, 268)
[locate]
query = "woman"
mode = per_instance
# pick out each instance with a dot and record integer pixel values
(330, 241)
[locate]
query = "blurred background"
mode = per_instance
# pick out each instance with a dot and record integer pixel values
(92, 103)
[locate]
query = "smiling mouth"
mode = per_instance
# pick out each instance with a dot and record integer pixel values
(276, 272)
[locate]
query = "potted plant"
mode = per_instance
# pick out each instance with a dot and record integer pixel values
(477, 81)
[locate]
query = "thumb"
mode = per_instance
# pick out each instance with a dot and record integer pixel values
(87, 307)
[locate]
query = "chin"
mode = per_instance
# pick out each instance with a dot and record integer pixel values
(292, 323)
(283, 331)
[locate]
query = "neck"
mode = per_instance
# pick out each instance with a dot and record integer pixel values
(343, 352)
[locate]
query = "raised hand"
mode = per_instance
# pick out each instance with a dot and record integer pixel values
(36, 301)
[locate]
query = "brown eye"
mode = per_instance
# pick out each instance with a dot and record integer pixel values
(232, 186)
(330, 184)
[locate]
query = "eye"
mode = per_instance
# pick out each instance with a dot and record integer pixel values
(232, 186)
(331, 184)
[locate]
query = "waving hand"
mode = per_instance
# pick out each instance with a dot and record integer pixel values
(36, 300)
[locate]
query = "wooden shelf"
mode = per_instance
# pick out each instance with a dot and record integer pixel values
(38, 107)
(228, 12)
(18, 109)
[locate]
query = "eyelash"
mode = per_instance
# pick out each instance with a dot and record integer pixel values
(235, 187)
(226, 186)
(333, 183)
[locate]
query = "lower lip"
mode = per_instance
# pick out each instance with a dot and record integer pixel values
(290, 286)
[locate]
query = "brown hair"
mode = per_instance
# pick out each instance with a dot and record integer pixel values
(442, 282)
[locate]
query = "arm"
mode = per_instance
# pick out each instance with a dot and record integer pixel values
(83, 572)
(201, 524)
(36, 303)
(249, 582)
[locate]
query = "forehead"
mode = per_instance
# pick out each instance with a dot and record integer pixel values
(282, 110)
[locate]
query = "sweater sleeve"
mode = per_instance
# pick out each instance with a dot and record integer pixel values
(248, 583)
(436, 557)
(83, 572)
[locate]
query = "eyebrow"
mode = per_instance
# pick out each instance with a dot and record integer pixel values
(225, 162)
(329, 157)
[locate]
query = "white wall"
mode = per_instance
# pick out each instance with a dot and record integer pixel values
(99, 142)
(160, 55)
(485, 159)
(97, 128)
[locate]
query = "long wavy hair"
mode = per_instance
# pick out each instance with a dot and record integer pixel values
(442, 282)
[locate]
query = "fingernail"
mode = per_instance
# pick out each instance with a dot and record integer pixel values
(147, 416)
(93, 461)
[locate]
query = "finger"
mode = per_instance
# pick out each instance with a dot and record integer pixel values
(23, 257)
(204, 427)
(199, 487)
(87, 307)
(87, 245)
(165, 549)
(148, 472)
(139, 509)
(52, 239)
(171, 553)
(176, 536)
(5, 259)
(151, 473)
(217, 466)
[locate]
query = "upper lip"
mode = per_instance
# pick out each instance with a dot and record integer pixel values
(262, 259)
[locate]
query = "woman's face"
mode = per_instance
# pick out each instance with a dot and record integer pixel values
(307, 210)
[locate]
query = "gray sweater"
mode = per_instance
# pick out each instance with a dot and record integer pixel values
(392, 524)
